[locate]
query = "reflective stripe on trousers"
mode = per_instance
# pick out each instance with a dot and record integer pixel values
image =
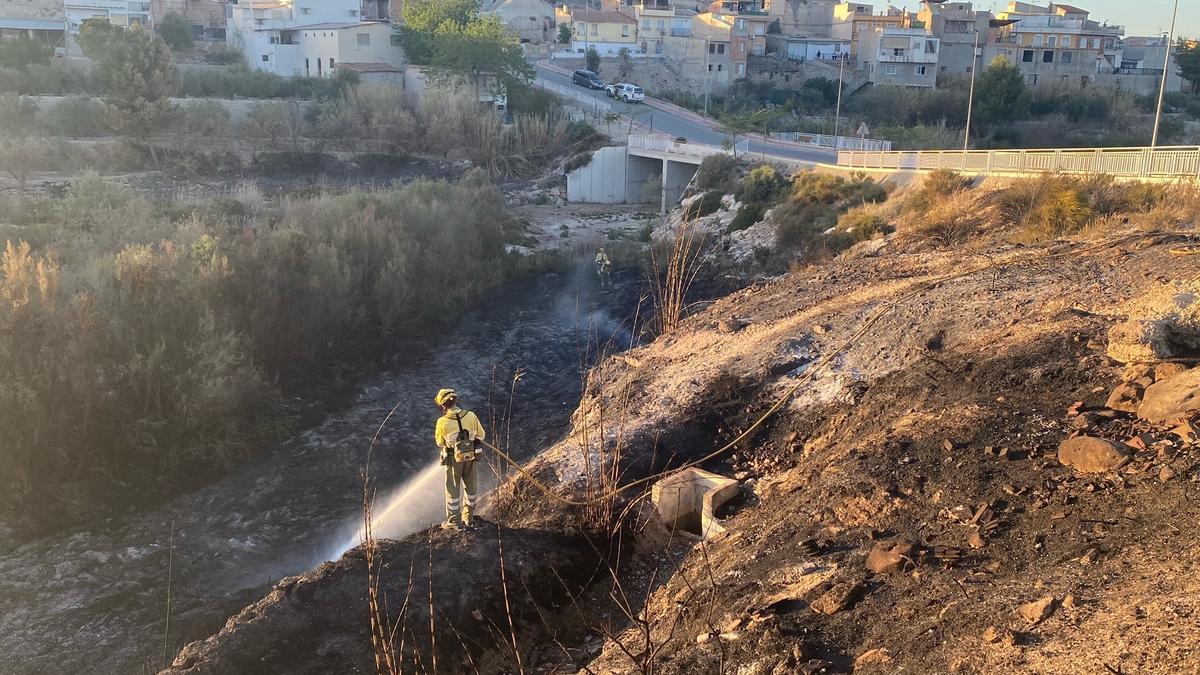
(460, 487)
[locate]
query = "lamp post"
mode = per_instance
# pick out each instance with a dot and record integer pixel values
(971, 96)
(1162, 89)
(837, 116)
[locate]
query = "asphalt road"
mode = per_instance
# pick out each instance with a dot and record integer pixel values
(665, 122)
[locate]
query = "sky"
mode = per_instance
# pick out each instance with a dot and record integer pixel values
(1140, 17)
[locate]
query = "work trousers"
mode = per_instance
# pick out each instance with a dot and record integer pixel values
(460, 489)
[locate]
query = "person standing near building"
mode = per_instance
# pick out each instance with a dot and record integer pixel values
(459, 437)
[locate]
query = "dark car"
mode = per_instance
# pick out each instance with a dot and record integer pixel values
(586, 78)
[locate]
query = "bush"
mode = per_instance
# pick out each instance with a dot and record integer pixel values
(76, 117)
(748, 214)
(176, 32)
(716, 172)
(576, 161)
(948, 221)
(204, 120)
(17, 115)
(708, 204)
(244, 82)
(1047, 208)
(20, 53)
(936, 187)
(225, 55)
(763, 185)
(830, 189)
(860, 225)
(799, 224)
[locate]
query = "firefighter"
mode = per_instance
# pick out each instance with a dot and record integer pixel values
(603, 267)
(459, 437)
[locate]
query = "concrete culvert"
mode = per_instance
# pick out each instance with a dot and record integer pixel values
(688, 500)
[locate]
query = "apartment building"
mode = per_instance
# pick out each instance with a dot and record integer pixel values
(1141, 67)
(801, 18)
(1058, 43)
(605, 30)
(310, 37)
(532, 21)
(207, 17)
(853, 20)
(705, 57)
(656, 20)
(41, 20)
(901, 56)
(958, 25)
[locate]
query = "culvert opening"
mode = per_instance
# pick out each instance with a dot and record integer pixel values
(688, 500)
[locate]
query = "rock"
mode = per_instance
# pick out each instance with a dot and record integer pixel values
(873, 657)
(1162, 324)
(1142, 441)
(1136, 371)
(1165, 371)
(1187, 432)
(886, 558)
(1126, 397)
(1088, 454)
(995, 635)
(841, 596)
(731, 324)
(820, 328)
(1176, 397)
(976, 540)
(1069, 602)
(1165, 474)
(1039, 610)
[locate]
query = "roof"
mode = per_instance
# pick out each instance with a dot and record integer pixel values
(33, 24)
(371, 67)
(330, 25)
(1069, 9)
(601, 16)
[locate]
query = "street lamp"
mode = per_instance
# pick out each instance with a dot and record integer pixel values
(1162, 89)
(971, 96)
(837, 116)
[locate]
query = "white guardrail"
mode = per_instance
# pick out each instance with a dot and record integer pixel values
(1174, 162)
(667, 144)
(826, 141)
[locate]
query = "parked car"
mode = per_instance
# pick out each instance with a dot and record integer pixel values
(629, 93)
(586, 78)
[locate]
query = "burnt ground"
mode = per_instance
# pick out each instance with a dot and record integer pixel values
(935, 429)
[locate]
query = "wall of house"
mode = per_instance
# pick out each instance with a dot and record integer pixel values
(379, 47)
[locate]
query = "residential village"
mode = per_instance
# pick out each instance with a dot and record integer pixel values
(705, 44)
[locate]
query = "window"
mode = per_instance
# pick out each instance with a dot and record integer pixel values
(931, 47)
(712, 48)
(720, 67)
(624, 30)
(595, 29)
(306, 10)
(1095, 43)
(1066, 41)
(331, 63)
(919, 70)
(662, 26)
(1067, 57)
(397, 40)
(1027, 56)
(758, 29)
(306, 67)
(758, 50)
(580, 29)
(1031, 79)
(741, 69)
(1047, 57)
(1052, 41)
(645, 24)
(889, 70)
(1037, 40)
(266, 58)
(741, 24)
(364, 39)
(710, 67)
(742, 47)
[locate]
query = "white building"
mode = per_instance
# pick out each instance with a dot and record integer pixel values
(310, 37)
(906, 57)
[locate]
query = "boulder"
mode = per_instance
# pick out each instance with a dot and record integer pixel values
(1088, 454)
(1165, 371)
(1039, 610)
(1178, 396)
(841, 596)
(1126, 396)
(1161, 324)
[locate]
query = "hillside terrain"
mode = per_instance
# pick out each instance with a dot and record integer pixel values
(969, 457)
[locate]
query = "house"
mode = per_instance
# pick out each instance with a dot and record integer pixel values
(959, 26)
(704, 57)
(750, 23)
(376, 73)
(797, 48)
(852, 20)
(41, 20)
(531, 21)
(117, 12)
(895, 55)
(656, 19)
(606, 31)
(1141, 68)
(805, 18)
(310, 37)
(1057, 43)
(207, 17)
(418, 80)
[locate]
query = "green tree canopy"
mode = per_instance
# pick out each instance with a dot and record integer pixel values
(1187, 59)
(1001, 95)
(451, 36)
(176, 32)
(592, 60)
(138, 74)
(22, 52)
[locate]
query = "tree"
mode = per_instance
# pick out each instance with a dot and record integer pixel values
(424, 20)
(1187, 59)
(741, 125)
(77, 117)
(592, 60)
(176, 32)
(23, 52)
(22, 156)
(1001, 95)
(138, 74)
(482, 47)
(625, 65)
(564, 33)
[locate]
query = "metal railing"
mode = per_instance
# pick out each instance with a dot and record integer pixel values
(589, 103)
(826, 141)
(1171, 162)
(667, 144)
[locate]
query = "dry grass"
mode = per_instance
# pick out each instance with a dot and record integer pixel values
(672, 277)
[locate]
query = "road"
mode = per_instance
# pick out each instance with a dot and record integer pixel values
(691, 128)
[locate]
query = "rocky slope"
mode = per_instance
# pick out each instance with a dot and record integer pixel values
(909, 509)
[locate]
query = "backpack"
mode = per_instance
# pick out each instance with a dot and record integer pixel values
(464, 447)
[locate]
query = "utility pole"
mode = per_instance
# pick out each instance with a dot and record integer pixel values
(1162, 90)
(971, 97)
(837, 116)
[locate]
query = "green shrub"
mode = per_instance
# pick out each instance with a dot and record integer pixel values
(799, 224)
(716, 172)
(748, 214)
(860, 225)
(20, 53)
(937, 186)
(1062, 210)
(825, 188)
(17, 115)
(76, 117)
(708, 204)
(242, 82)
(763, 185)
(176, 32)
